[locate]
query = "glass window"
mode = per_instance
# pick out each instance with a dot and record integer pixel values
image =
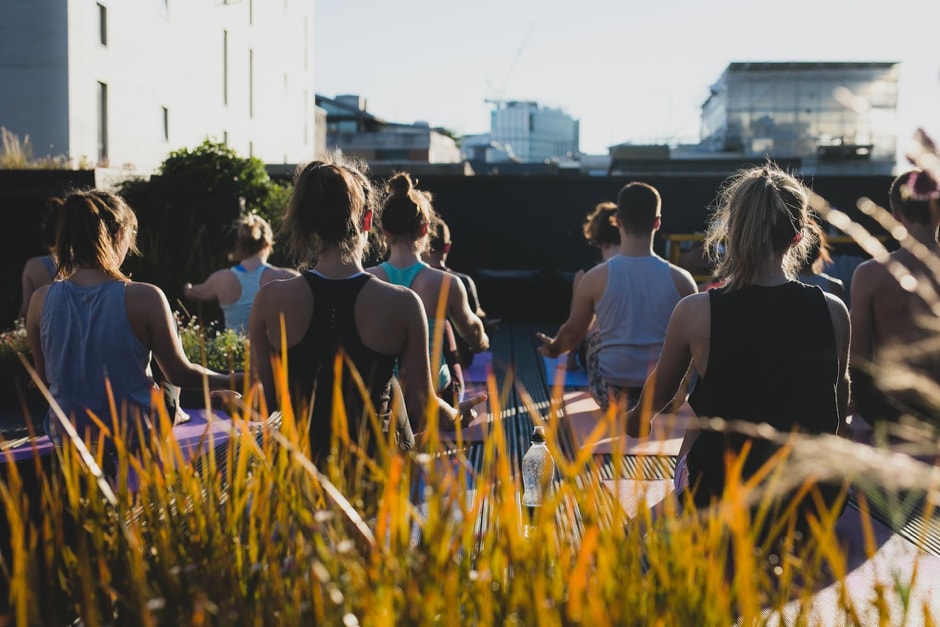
(102, 123)
(102, 24)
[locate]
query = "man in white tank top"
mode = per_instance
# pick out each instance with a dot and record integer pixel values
(632, 295)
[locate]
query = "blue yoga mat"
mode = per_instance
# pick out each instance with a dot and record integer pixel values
(572, 378)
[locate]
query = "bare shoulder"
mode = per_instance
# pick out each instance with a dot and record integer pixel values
(695, 305)
(143, 293)
(837, 309)
(377, 271)
(278, 274)
(869, 272)
(683, 280)
(595, 279)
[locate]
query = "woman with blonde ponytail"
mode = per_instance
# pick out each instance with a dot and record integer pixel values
(235, 287)
(95, 329)
(765, 347)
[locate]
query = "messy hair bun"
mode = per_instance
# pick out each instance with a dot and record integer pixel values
(407, 210)
(253, 235)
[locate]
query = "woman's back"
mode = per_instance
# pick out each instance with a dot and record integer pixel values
(87, 338)
(772, 358)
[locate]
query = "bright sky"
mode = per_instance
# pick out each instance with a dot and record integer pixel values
(629, 70)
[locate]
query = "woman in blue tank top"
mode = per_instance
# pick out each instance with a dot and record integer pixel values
(95, 327)
(235, 287)
(337, 309)
(766, 348)
(406, 217)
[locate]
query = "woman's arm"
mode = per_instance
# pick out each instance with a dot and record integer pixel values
(147, 304)
(414, 372)
(211, 289)
(261, 349)
(468, 325)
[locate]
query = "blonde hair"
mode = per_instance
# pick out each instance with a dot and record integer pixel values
(254, 234)
(760, 213)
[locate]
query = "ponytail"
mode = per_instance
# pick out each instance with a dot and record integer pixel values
(89, 225)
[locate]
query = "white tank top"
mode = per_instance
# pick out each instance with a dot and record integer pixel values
(632, 315)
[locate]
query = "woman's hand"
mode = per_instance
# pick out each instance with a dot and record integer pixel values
(465, 410)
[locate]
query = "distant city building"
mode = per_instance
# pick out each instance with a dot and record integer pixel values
(531, 133)
(123, 84)
(351, 128)
(833, 116)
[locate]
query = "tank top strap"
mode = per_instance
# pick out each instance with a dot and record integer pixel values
(402, 276)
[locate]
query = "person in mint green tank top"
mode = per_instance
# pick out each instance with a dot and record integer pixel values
(406, 217)
(235, 287)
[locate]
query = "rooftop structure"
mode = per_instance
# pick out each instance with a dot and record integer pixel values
(351, 128)
(833, 116)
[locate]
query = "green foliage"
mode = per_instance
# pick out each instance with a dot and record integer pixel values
(212, 168)
(187, 210)
(13, 342)
(220, 350)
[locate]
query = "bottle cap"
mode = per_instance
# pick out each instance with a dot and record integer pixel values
(538, 433)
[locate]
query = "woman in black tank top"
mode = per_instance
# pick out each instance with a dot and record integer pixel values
(342, 328)
(766, 348)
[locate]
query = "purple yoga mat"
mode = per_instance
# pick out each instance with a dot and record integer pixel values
(192, 436)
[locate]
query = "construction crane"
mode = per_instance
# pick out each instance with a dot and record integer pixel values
(497, 95)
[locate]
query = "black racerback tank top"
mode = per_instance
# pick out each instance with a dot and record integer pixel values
(310, 364)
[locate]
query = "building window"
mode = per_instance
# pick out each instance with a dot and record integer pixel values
(166, 123)
(251, 12)
(251, 149)
(225, 138)
(102, 24)
(102, 123)
(224, 67)
(306, 115)
(251, 83)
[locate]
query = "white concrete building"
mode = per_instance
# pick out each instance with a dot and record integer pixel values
(121, 84)
(532, 132)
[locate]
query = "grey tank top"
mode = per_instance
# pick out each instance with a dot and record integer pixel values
(86, 338)
(632, 315)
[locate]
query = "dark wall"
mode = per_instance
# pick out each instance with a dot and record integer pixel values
(519, 237)
(532, 227)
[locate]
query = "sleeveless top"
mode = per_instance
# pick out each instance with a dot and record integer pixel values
(87, 339)
(49, 264)
(333, 332)
(405, 277)
(772, 358)
(236, 314)
(631, 317)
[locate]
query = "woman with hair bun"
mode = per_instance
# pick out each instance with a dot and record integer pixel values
(766, 348)
(337, 308)
(96, 328)
(406, 218)
(235, 287)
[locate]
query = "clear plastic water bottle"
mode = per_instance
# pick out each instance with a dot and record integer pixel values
(538, 469)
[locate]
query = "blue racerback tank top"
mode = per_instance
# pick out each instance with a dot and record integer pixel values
(236, 314)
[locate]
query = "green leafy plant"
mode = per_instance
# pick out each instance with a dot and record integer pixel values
(221, 350)
(13, 342)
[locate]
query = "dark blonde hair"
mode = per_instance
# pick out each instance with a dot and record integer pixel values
(326, 209)
(600, 228)
(760, 212)
(439, 234)
(89, 225)
(406, 209)
(253, 234)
